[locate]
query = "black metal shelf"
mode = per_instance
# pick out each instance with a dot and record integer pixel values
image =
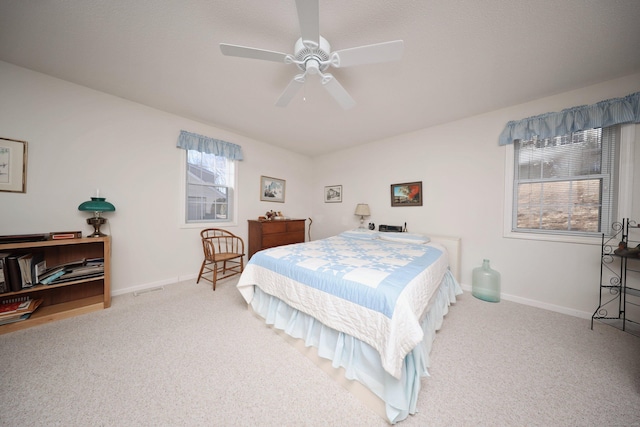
(619, 297)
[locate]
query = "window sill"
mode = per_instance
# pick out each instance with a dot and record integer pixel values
(582, 240)
(205, 224)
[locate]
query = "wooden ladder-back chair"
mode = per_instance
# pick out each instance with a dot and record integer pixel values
(223, 253)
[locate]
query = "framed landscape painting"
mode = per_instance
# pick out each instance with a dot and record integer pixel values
(272, 189)
(407, 194)
(333, 194)
(13, 165)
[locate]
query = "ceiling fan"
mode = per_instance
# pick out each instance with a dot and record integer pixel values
(313, 56)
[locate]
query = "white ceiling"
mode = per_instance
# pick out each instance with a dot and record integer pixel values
(461, 58)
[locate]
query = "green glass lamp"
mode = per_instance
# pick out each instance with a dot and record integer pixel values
(97, 205)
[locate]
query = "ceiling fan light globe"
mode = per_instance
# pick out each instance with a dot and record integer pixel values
(312, 66)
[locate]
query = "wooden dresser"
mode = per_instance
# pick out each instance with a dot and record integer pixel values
(267, 234)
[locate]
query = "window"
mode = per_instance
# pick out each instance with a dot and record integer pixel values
(565, 185)
(210, 182)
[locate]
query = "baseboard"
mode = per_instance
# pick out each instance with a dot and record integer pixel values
(538, 304)
(144, 286)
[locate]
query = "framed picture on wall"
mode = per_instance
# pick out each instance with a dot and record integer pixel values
(272, 189)
(333, 194)
(13, 165)
(407, 194)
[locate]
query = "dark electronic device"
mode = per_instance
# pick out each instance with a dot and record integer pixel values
(394, 228)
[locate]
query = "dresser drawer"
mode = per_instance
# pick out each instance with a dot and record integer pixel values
(271, 240)
(274, 227)
(296, 226)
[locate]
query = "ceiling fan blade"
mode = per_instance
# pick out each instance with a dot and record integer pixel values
(370, 54)
(309, 17)
(292, 88)
(337, 91)
(253, 53)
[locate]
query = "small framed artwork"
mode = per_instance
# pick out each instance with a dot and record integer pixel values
(407, 194)
(333, 194)
(272, 189)
(13, 165)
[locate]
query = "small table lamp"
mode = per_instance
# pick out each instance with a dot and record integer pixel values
(362, 209)
(97, 205)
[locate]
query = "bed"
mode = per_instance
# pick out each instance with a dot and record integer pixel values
(364, 304)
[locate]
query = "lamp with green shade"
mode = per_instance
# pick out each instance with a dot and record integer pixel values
(97, 205)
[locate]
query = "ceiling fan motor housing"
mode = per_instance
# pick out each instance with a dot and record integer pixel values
(313, 59)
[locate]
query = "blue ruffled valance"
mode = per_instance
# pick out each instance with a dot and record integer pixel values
(602, 114)
(204, 144)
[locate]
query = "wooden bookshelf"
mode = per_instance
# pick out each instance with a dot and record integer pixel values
(68, 299)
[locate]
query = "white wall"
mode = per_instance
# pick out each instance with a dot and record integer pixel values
(462, 170)
(80, 140)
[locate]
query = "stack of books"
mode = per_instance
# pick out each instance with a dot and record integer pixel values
(20, 271)
(23, 271)
(18, 310)
(76, 270)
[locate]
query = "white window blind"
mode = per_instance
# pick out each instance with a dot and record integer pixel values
(566, 184)
(210, 181)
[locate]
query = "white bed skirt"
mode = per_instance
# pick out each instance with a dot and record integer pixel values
(360, 361)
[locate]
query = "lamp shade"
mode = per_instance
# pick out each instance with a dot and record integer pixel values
(363, 209)
(96, 204)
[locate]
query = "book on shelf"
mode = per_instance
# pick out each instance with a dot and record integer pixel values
(39, 269)
(61, 235)
(4, 283)
(49, 271)
(22, 238)
(8, 320)
(70, 278)
(76, 270)
(13, 306)
(18, 309)
(78, 273)
(12, 273)
(19, 270)
(28, 263)
(24, 261)
(51, 277)
(84, 270)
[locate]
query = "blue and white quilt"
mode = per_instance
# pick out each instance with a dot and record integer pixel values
(374, 290)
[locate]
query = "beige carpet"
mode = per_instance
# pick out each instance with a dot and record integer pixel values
(188, 356)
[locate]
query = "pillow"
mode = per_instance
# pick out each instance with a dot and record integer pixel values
(405, 237)
(359, 233)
